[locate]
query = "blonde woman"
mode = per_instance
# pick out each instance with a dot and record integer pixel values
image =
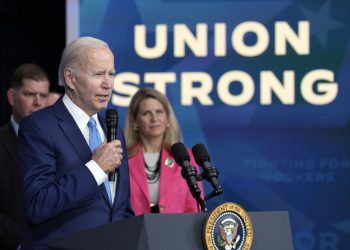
(156, 183)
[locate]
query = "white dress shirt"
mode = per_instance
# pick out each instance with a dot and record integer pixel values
(82, 119)
(14, 124)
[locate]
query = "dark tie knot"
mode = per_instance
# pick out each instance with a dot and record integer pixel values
(92, 123)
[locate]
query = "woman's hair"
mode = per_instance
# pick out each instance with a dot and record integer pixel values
(71, 54)
(172, 133)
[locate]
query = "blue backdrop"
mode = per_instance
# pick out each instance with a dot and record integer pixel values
(280, 149)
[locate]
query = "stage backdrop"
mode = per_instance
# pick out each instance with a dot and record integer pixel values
(265, 85)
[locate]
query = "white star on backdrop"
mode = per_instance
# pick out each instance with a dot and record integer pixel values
(321, 22)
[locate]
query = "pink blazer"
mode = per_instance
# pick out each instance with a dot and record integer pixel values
(174, 194)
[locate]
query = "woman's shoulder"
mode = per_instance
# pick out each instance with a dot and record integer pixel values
(134, 150)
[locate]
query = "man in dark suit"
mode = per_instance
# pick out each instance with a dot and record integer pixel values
(65, 181)
(28, 92)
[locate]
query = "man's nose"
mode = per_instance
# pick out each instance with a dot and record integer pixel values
(108, 81)
(38, 100)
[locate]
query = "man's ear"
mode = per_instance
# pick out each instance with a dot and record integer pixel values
(69, 78)
(11, 96)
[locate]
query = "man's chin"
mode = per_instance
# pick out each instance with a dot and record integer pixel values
(102, 106)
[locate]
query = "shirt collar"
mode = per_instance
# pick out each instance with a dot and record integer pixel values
(14, 124)
(79, 116)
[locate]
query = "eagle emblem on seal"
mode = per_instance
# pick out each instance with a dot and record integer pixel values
(228, 237)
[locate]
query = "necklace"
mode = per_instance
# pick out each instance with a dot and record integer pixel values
(153, 172)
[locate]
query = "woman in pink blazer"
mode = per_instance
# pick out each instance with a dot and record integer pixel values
(156, 183)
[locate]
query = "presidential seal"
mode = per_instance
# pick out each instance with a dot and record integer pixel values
(228, 227)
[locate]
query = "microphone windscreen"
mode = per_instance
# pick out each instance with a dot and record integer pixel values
(179, 152)
(200, 153)
(112, 117)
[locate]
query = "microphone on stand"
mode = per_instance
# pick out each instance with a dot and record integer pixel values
(188, 172)
(210, 173)
(112, 126)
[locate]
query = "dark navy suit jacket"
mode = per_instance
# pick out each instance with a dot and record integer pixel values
(11, 213)
(60, 194)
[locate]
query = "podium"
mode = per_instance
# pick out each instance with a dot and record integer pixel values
(174, 231)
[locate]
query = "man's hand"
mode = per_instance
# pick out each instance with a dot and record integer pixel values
(108, 155)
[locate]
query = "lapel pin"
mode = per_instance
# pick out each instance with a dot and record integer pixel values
(169, 162)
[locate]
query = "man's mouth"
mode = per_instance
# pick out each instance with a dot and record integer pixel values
(103, 97)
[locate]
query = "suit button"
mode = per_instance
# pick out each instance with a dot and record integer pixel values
(161, 207)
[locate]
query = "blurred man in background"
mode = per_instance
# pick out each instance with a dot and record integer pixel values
(54, 95)
(27, 93)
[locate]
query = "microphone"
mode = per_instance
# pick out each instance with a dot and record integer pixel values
(188, 172)
(112, 126)
(210, 173)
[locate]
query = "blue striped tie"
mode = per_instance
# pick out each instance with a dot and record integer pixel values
(94, 142)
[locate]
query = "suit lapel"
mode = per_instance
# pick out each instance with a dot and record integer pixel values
(75, 137)
(168, 173)
(72, 131)
(138, 172)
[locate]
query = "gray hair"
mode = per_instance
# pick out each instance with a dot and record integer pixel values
(72, 52)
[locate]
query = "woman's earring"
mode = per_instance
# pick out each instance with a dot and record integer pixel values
(135, 128)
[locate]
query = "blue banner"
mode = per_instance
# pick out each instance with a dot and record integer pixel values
(263, 84)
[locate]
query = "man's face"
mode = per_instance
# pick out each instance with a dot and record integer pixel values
(92, 84)
(52, 98)
(30, 97)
